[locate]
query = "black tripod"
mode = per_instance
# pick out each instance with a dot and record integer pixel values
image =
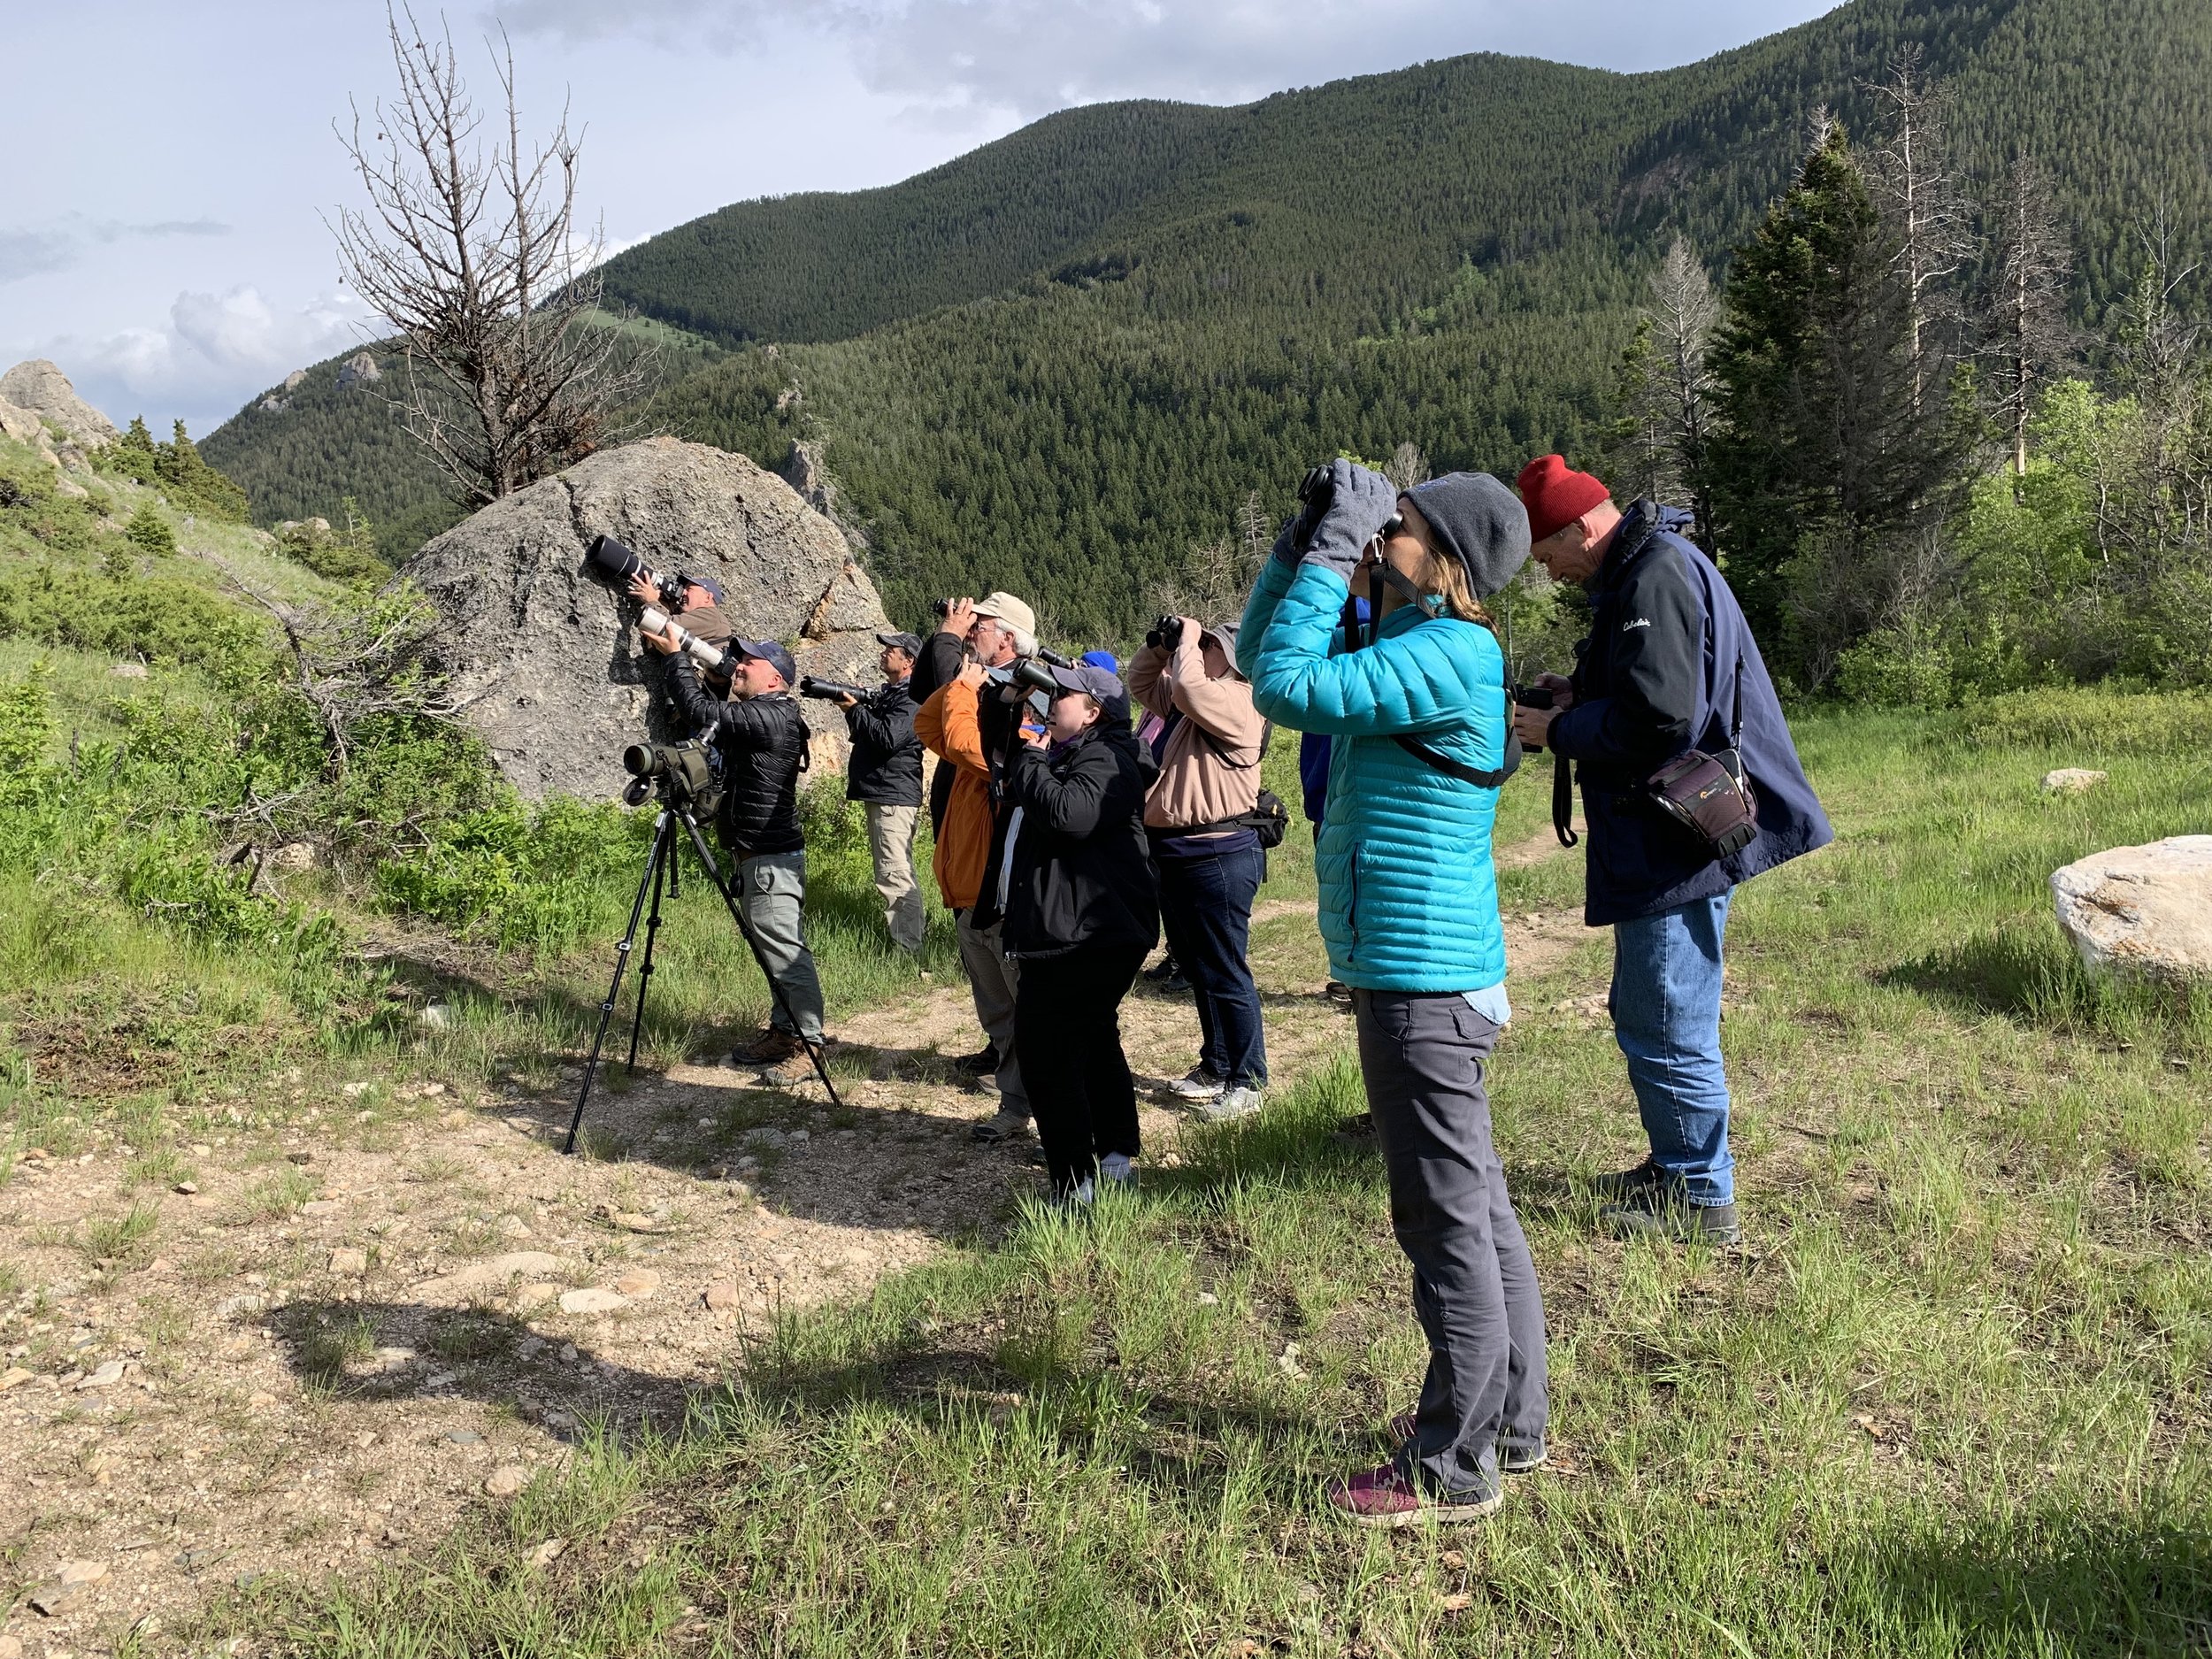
(661, 872)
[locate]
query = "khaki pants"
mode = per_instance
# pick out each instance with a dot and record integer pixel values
(995, 976)
(891, 845)
(771, 891)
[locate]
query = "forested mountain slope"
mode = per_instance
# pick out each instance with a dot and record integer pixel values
(1059, 361)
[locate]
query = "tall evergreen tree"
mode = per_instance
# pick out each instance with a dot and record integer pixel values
(1824, 472)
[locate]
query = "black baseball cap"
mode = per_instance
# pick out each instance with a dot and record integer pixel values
(910, 644)
(769, 651)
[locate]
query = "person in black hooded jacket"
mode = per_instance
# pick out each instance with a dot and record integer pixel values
(1081, 910)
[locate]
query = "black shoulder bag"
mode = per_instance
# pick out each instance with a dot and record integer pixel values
(1710, 794)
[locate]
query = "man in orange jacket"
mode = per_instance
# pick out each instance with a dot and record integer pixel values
(952, 725)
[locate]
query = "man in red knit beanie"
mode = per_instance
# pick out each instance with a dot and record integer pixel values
(1670, 666)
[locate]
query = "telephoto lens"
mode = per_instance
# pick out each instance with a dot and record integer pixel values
(621, 564)
(829, 690)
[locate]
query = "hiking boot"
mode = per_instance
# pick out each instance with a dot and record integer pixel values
(1167, 975)
(1383, 1497)
(1338, 993)
(1199, 1084)
(1624, 1184)
(1005, 1124)
(1515, 1457)
(772, 1047)
(1239, 1101)
(1657, 1213)
(982, 1063)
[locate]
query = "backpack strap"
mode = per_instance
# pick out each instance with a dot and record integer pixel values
(1465, 773)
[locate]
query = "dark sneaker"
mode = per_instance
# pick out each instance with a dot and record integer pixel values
(1655, 1213)
(1625, 1184)
(1338, 993)
(771, 1048)
(1005, 1124)
(1167, 975)
(1514, 1457)
(982, 1063)
(1383, 1497)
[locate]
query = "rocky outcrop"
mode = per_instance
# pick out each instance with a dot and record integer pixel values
(543, 657)
(45, 391)
(358, 370)
(2141, 912)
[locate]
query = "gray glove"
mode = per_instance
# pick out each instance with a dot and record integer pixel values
(1363, 503)
(1288, 542)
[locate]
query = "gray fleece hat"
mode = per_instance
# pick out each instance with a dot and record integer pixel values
(1480, 520)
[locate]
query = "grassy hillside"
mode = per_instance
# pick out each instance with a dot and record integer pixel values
(1061, 360)
(300, 454)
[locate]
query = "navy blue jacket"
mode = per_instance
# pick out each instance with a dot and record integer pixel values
(1657, 676)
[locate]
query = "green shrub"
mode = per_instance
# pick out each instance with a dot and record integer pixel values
(161, 619)
(544, 877)
(26, 733)
(176, 468)
(149, 532)
(347, 555)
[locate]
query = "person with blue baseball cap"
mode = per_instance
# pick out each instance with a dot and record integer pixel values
(762, 738)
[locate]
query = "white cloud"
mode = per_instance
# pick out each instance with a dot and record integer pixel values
(1033, 57)
(217, 351)
(28, 250)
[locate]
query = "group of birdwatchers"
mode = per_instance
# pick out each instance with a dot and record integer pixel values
(1082, 810)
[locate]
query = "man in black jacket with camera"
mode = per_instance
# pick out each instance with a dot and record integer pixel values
(762, 739)
(885, 776)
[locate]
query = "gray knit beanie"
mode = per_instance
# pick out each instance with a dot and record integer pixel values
(1479, 520)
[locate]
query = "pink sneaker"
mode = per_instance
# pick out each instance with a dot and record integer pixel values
(1382, 1497)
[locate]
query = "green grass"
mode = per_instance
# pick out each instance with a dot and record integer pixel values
(1949, 1398)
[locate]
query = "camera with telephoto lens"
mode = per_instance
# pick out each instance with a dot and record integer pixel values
(830, 690)
(621, 564)
(690, 772)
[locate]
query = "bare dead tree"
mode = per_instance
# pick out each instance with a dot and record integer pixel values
(2027, 322)
(1409, 465)
(1911, 180)
(1659, 444)
(473, 258)
(1212, 581)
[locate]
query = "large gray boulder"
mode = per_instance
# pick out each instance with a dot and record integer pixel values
(44, 390)
(544, 658)
(2141, 912)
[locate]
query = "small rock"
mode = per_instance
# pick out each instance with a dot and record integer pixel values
(513, 1226)
(199, 1148)
(260, 1399)
(238, 1307)
(14, 1376)
(10, 1647)
(351, 1263)
(355, 1091)
(638, 1282)
(492, 1273)
(443, 1379)
(801, 1134)
(107, 1375)
(591, 1301)
(76, 1572)
(1207, 1299)
(544, 1555)
(293, 856)
(529, 1298)
(721, 1297)
(186, 1188)
(506, 1480)
(320, 1207)
(128, 671)
(2072, 780)
(299, 1157)
(437, 1016)
(50, 1598)
(464, 1437)
(2141, 912)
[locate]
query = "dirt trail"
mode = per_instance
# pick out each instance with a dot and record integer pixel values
(348, 1331)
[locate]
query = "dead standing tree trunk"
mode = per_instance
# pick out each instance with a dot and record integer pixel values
(1911, 179)
(1683, 314)
(511, 374)
(2028, 315)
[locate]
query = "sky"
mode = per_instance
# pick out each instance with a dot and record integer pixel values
(163, 236)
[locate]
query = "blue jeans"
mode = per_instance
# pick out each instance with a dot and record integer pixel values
(1206, 911)
(1666, 1018)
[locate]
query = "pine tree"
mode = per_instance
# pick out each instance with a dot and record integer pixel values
(1824, 452)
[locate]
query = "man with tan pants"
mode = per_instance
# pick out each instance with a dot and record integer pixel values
(885, 776)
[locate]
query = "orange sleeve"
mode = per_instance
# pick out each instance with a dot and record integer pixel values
(948, 728)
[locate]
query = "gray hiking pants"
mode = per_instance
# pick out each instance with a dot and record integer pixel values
(771, 891)
(994, 977)
(1474, 1285)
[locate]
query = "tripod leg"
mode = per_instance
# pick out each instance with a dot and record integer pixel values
(662, 868)
(745, 929)
(663, 849)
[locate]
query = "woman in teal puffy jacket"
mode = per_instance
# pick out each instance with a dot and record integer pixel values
(1419, 717)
